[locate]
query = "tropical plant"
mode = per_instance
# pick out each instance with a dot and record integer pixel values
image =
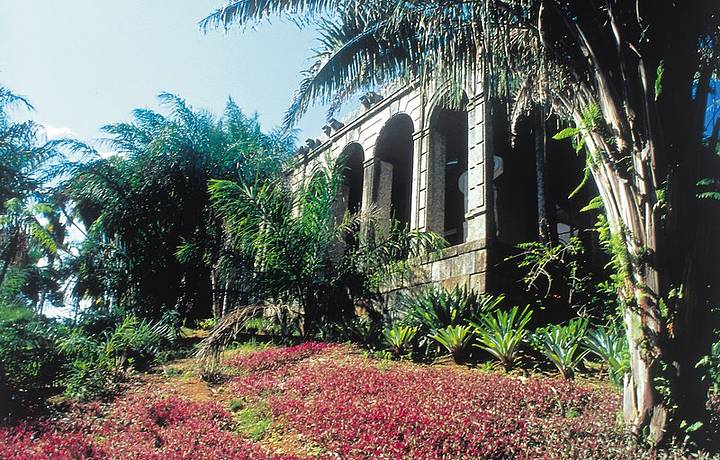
(433, 309)
(399, 338)
(633, 96)
(24, 157)
(22, 231)
(610, 346)
(501, 333)
(153, 241)
(97, 363)
(292, 236)
(29, 359)
(437, 308)
(455, 339)
(30, 229)
(561, 272)
(562, 345)
(289, 235)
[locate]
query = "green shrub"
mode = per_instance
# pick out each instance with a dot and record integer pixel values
(29, 359)
(610, 345)
(562, 345)
(96, 364)
(455, 339)
(400, 338)
(136, 342)
(500, 333)
(207, 324)
(436, 308)
(365, 330)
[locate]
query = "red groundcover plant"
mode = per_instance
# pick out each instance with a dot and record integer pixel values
(350, 408)
(334, 403)
(276, 358)
(140, 426)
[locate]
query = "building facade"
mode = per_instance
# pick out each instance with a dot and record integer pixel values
(411, 157)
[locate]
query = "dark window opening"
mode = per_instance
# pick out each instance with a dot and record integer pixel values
(352, 189)
(451, 126)
(393, 174)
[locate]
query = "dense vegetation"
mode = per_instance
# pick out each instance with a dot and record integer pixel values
(632, 97)
(370, 408)
(193, 222)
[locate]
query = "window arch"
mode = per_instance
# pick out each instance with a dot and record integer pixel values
(392, 187)
(448, 171)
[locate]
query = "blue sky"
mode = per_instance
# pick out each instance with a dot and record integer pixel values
(86, 63)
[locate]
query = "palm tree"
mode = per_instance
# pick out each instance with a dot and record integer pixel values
(293, 239)
(630, 79)
(29, 227)
(153, 241)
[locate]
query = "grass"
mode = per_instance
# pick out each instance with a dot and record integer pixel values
(252, 421)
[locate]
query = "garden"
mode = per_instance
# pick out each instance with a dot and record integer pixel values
(226, 293)
(319, 400)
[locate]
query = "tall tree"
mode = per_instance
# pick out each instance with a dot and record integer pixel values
(631, 79)
(149, 204)
(29, 229)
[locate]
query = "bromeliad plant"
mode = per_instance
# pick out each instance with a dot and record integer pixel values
(611, 347)
(501, 333)
(434, 309)
(438, 308)
(399, 338)
(562, 345)
(455, 339)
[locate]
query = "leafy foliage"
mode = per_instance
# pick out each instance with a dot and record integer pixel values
(501, 333)
(399, 338)
(29, 359)
(153, 241)
(455, 339)
(366, 331)
(437, 308)
(610, 345)
(288, 235)
(562, 271)
(96, 363)
(293, 241)
(31, 233)
(562, 345)
(433, 309)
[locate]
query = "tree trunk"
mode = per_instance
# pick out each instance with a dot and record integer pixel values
(545, 230)
(217, 300)
(226, 297)
(642, 404)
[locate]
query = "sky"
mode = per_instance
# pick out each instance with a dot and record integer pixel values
(87, 63)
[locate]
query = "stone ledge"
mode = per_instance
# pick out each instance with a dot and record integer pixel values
(463, 264)
(454, 251)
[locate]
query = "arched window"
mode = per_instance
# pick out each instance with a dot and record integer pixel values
(392, 190)
(352, 159)
(448, 172)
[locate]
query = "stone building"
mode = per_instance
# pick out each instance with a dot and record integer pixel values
(436, 169)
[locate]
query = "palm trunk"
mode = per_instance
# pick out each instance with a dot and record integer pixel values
(643, 406)
(544, 224)
(226, 297)
(217, 300)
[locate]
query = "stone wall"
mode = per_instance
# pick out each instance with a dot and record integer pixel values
(463, 264)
